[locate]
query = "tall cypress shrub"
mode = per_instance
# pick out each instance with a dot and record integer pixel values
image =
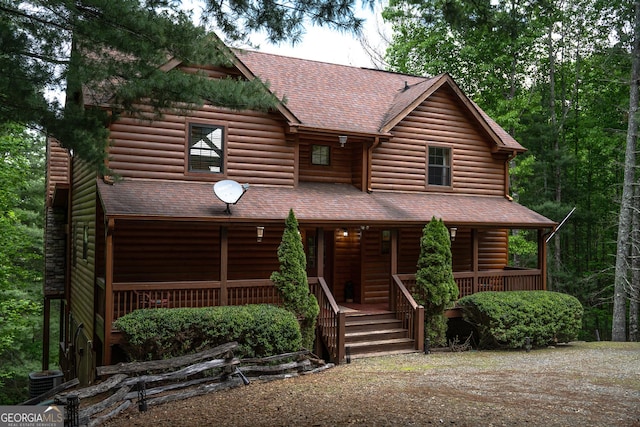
(435, 290)
(291, 281)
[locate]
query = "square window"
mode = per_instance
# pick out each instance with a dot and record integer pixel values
(439, 169)
(320, 155)
(206, 148)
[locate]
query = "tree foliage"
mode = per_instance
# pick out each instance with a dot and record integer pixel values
(435, 288)
(113, 54)
(291, 281)
(556, 76)
(21, 259)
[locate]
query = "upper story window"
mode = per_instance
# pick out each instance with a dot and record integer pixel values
(320, 155)
(439, 166)
(206, 148)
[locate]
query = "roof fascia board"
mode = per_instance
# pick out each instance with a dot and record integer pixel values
(338, 223)
(245, 71)
(328, 131)
(248, 74)
(413, 105)
(468, 103)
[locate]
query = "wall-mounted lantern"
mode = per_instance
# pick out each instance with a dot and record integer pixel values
(452, 232)
(345, 232)
(342, 139)
(260, 232)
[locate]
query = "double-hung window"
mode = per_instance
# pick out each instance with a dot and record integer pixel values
(439, 169)
(206, 148)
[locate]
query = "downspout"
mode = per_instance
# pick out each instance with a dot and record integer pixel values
(376, 142)
(108, 292)
(507, 180)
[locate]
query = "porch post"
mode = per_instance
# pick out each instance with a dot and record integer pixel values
(394, 267)
(474, 258)
(542, 258)
(108, 292)
(224, 259)
(320, 251)
(46, 326)
(394, 251)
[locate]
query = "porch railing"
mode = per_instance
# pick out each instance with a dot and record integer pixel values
(470, 282)
(406, 309)
(331, 320)
(512, 279)
(128, 297)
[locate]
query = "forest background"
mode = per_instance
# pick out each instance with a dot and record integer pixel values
(556, 74)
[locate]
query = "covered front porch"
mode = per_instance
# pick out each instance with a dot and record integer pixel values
(156, 254)
(332, 334)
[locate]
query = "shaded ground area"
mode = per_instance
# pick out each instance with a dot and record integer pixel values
(586, 384)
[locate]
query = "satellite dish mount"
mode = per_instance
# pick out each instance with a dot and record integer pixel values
(229, 192)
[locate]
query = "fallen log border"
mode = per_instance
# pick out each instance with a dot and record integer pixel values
(125, 384)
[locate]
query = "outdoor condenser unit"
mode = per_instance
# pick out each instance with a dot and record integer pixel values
(43, 381)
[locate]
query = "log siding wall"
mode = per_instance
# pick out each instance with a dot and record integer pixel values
(256, 148)
(401, 163)
(57, 166)
(83, 208)
(493, 248)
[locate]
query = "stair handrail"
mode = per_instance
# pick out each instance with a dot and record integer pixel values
(331, 320)
(407, 309)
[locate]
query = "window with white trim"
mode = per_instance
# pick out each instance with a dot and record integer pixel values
(439, 169)
(206, 148)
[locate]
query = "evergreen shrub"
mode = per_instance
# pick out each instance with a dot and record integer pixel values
(435, 289)
(506, 319)
(260, 330)
(292, 283)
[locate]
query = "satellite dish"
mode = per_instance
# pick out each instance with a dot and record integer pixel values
(229, 191)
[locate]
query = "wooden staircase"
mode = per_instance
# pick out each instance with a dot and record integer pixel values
(375, 334)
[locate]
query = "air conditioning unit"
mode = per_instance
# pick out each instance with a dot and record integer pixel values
(43, 381)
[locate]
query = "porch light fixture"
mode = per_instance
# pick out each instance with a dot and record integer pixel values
(342, 139)
(345, 232)
(452, 232)
(260, 232)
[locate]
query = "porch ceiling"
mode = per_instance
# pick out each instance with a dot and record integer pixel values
(312, 203)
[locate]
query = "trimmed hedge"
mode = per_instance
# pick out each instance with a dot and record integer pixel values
(260, 330)
(506, 319)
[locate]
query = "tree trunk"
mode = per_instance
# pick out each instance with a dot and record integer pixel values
(634, 292)
(556, 145)
(618, 329)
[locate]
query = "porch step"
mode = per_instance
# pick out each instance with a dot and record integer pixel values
(380, 347)
(377, 335)
(368, 335)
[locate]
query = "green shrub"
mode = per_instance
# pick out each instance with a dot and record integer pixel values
(260, 330)
(506, 319)
(292, 283)
(435, 289)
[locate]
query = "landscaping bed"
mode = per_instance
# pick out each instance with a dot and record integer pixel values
(587, 384)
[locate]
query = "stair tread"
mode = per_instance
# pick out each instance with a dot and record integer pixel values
(381, 342)
(374, 332)
(383, 353)
(350, 322)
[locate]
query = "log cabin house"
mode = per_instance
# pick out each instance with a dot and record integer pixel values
(364, 157)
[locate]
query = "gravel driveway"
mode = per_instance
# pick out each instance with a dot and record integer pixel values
(578, 384)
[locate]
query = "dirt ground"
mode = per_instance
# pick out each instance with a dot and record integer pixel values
(578, 384)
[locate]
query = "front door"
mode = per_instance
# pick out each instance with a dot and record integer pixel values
(346, 264)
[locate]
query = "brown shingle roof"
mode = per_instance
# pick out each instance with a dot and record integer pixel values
(351, 99)
(312, 203)
(330, 96)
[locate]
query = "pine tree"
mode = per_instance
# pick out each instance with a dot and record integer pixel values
(291, 281)
(435, 290)
(112, 53)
